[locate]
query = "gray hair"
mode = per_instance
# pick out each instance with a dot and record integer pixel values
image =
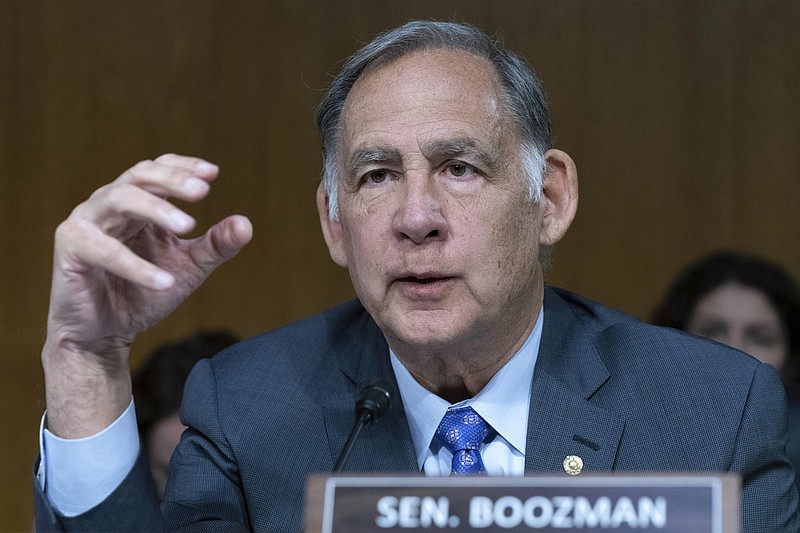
(524, 98)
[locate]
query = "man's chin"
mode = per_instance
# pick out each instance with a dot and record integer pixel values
(426, 331)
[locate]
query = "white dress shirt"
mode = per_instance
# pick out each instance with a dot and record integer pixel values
(503, 403)
(78, 474)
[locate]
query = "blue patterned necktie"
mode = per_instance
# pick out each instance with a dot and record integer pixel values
(461, 432)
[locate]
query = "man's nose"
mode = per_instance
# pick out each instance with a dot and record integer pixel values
(419, 217)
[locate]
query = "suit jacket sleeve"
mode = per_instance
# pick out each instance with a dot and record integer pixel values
(203, 491)
(133, 506)
(769, 495)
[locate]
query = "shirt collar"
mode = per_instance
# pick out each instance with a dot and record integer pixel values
(503, 402)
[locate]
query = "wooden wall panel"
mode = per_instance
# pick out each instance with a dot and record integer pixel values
(682, 117)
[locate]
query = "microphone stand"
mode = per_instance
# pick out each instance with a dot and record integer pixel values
(373, 401)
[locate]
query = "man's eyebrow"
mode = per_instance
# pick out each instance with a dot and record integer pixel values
(438, 149)
(452, 147)
(463, 147)
(367, 156)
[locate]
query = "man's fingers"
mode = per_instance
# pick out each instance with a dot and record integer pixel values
(100, 251)
(106, 231)
(140, 191)
(171, 175)
(221, 242)
(192, 164)
(113, 208)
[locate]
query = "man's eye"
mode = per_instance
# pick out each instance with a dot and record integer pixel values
(459, 170)
(376, 176)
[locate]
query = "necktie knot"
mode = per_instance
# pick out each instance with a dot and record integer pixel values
(462, 432)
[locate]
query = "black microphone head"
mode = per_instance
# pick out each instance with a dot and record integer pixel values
(373, 401)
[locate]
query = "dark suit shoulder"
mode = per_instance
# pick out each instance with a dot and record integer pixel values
(626, 343)
(307, 347)
(268, 411)
(293, 368)
(662, 381)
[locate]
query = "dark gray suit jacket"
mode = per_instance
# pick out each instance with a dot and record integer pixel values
(622, 395)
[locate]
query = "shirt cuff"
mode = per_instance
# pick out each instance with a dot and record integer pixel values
(78, 474)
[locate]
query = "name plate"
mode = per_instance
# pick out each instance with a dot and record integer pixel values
(668, 503)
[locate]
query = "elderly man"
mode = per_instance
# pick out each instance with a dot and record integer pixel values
(441, 195)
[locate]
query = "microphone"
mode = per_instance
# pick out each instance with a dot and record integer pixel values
(373, 401)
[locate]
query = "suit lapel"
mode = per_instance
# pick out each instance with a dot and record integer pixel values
(569, 371)
(562, 419)
(384, 446)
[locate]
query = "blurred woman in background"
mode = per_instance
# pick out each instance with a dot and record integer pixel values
(746, 302)
(158, 389)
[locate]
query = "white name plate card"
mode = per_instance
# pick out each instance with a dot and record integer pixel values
(665, 503)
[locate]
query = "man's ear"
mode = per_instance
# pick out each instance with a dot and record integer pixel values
(331, 229)
(559, 196)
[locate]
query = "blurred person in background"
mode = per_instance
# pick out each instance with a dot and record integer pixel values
(158, 388)
(748, 303)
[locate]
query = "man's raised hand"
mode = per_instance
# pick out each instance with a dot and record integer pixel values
(120, 266)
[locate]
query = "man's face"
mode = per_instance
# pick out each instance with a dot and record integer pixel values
(435, 226)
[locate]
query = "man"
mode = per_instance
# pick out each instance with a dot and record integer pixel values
(441, 195)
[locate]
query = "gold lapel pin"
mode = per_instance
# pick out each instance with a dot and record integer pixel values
(573, 465)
